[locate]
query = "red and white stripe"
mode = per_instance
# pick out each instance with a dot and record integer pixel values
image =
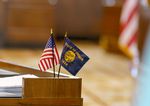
(48, 59)
(129, 27)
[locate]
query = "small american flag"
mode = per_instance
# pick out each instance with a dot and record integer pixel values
(129, 27)
(50, 56)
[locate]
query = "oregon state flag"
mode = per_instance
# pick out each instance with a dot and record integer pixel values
(72, 58)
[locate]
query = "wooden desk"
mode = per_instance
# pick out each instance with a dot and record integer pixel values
(45, 91)
(48, 92)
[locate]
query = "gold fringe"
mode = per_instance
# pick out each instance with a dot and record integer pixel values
(126, 51)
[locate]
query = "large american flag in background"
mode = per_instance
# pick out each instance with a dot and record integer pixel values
(129, 27)
(50, 56)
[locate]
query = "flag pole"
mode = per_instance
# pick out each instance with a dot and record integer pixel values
(61, 56)
(53, 53)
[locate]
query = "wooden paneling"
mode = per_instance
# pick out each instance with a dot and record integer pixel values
(1, 14)
(29, 21)
(110, 21)
(143, 27)
(52, 88)
(78, 18)
(2, 7)
(40, 102)
(9, 102)
(109, 28)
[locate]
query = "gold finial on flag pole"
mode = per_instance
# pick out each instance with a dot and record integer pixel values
(51, 31)
(65, 34)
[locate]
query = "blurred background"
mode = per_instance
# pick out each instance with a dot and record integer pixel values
(93, 25)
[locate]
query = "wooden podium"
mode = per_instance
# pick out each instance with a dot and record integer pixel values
(45, 91)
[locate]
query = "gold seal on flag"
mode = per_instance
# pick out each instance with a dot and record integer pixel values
(69, 56)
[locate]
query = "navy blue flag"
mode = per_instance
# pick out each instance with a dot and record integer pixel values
(72, 58)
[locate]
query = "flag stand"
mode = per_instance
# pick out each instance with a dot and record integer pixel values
(53, 55)
(61, 56)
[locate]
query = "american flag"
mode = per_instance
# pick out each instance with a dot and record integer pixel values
(50, 56)
(129, 27)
